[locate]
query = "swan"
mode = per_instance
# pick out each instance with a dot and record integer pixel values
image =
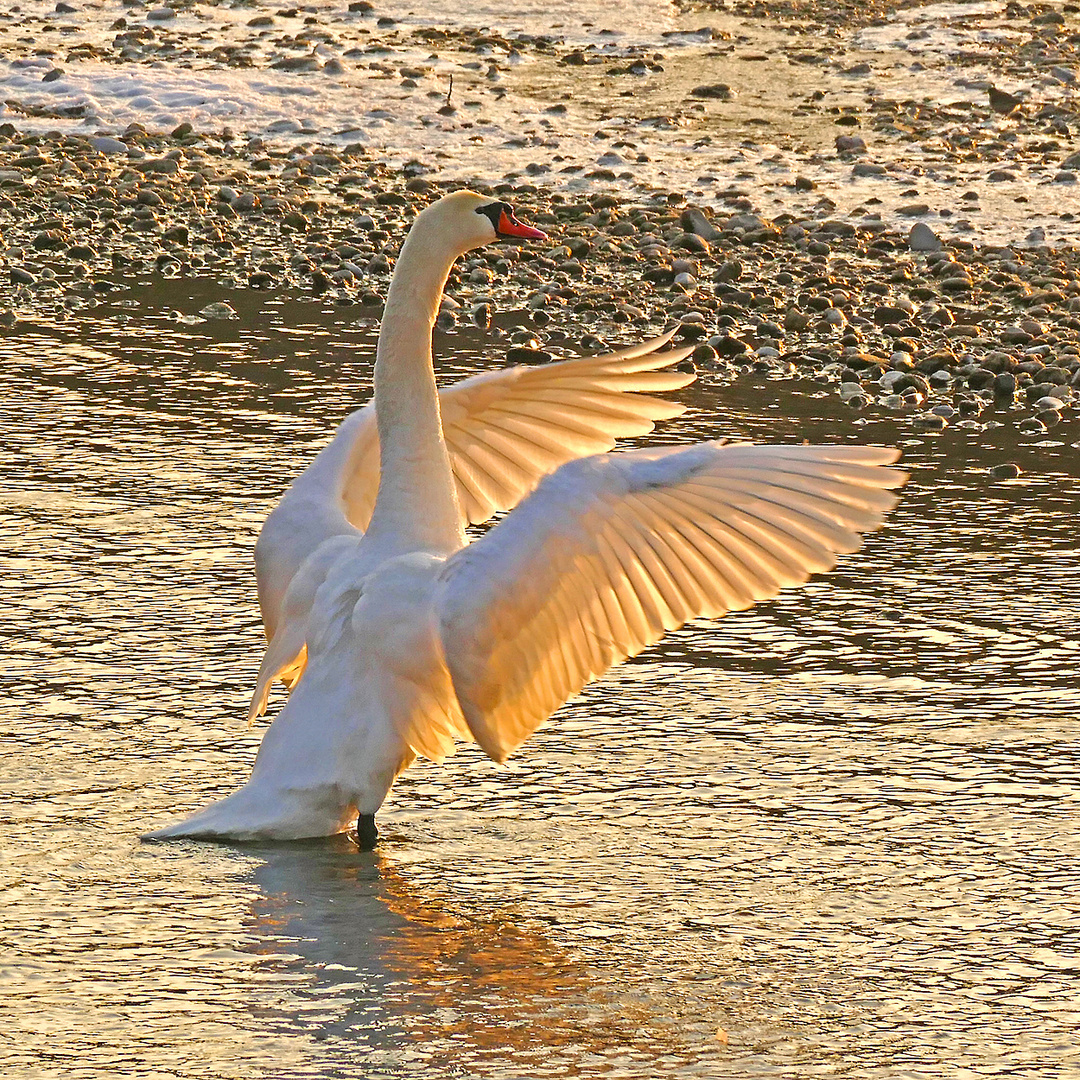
(398, 637)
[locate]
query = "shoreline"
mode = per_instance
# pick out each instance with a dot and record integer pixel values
(943, 335)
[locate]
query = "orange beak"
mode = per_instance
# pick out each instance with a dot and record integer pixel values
(510, 226)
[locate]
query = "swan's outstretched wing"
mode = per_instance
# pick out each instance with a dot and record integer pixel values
(506, 429)
(611, 551)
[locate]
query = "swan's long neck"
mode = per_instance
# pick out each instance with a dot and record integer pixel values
(416, 508)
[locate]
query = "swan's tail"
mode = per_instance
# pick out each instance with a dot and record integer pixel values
(252, 814)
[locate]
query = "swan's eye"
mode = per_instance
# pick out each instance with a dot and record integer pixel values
(501, 216)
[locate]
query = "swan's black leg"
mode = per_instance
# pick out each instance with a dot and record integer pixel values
(367, 834)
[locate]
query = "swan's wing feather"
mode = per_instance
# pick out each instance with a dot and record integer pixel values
(613, 550)
(311, 512)
(507, 429)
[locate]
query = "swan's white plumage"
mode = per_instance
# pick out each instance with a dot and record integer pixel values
(401, 639)
(504, 431)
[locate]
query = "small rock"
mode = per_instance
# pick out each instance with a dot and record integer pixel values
(1007, 471)
(795, 320)
(104, 144)
(219, 309)
(693, 242)
(852, 144)
(884, 314)
(714, 91)
(1005, 385)
(1001, 101)
(694, 221)
(729, 346)
(158, 165)
(923, 238)
(520, 355)
(929, 422)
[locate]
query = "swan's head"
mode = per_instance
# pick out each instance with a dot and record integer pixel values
(472, 220)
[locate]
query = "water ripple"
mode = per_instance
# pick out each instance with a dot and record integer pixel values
(833, 835)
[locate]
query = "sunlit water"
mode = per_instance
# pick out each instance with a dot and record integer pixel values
(832, 836)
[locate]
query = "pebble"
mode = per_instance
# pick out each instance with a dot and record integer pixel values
(929, 422)
(105, 144)
(219, 309)
(714, 91)
(923, 238)
(694, 221)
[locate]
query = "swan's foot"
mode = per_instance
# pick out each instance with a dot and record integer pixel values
(367, 833)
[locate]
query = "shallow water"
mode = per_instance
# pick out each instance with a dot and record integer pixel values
(834, 835)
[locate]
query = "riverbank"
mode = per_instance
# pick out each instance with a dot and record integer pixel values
(946, 332)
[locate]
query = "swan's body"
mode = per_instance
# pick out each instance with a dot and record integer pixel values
(397, 637)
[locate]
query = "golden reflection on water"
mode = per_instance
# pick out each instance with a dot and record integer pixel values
(446, 974)
(840, 826)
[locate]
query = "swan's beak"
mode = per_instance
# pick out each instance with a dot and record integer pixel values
(510, 226)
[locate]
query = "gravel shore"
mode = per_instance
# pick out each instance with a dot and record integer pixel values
(950, 334)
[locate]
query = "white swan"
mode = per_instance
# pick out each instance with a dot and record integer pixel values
(407, 637)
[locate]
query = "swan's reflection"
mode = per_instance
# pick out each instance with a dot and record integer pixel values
(383, 961)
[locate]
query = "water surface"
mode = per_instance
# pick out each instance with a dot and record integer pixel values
(834, 835)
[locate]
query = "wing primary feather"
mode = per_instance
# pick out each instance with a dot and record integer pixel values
(562, 417)
(643, 598)
(625, 624)
(640, 537)
(705, 547)
(820, 519)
